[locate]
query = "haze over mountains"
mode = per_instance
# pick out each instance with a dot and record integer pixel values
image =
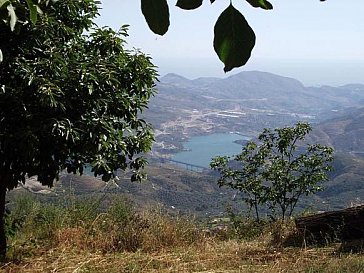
(262, 90)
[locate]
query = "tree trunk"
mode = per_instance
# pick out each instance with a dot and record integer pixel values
(3, 245)
(346, 225)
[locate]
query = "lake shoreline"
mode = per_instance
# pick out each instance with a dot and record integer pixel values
(199, 150)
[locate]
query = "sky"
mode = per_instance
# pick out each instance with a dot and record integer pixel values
(318, 43)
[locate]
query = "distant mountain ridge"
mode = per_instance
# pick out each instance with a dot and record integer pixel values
(279, 92)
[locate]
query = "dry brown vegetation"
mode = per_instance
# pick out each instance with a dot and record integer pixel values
(79, 237)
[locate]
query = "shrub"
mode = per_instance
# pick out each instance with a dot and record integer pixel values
(90, 224)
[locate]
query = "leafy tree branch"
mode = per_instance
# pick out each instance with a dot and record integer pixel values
(275, 171)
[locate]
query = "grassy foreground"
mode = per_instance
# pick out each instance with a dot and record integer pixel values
(94, 235)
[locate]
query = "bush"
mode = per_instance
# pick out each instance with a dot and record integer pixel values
(90, 224)
(244, 228)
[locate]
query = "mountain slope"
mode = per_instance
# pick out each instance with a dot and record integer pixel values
(345, 132)
(250, 88)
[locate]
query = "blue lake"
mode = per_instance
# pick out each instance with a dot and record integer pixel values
(200, 149)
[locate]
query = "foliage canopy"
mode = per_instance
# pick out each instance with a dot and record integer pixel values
(68, 99)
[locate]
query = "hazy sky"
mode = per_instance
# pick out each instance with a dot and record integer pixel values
(315, 42)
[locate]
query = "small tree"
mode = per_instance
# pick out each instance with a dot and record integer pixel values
(276, 172)
(68, 99)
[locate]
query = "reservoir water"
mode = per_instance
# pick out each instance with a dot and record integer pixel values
(200, 149)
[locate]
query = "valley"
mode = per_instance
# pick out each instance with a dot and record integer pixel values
(250, 101)
(243, 104)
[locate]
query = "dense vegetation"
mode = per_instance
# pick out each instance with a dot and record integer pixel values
(71, 97)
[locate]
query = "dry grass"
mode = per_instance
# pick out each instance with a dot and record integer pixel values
(121, 240)
(229, 256)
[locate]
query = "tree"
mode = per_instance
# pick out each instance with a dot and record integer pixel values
(233, 42)
(70, 99)
(276, 172)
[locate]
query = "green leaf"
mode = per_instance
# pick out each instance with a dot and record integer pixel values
(260, 4)
(156, 13)
(12, 16)
(3, 2)
(234, 39)
(33, 11)
(189, 4)
(39, 10)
